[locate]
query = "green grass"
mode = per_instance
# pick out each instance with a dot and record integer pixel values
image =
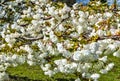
(34, 73)
(114, 74)
(26, 72)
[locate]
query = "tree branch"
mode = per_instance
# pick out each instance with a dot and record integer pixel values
(114, 37)
(60, 23)
(46, 18)
(31, 39)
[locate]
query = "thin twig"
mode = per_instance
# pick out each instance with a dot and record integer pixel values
(3, 5)
(60, 23)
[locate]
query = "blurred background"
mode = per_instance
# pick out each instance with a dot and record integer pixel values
(85, 2)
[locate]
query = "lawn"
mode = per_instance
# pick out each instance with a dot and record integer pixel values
(34, 73)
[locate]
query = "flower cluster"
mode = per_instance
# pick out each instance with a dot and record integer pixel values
(58, 38)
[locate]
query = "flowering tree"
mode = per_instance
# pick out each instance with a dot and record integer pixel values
(58, 38)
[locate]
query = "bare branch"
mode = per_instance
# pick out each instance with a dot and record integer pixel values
(31, 39)
(114, 37)
(47, 18)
